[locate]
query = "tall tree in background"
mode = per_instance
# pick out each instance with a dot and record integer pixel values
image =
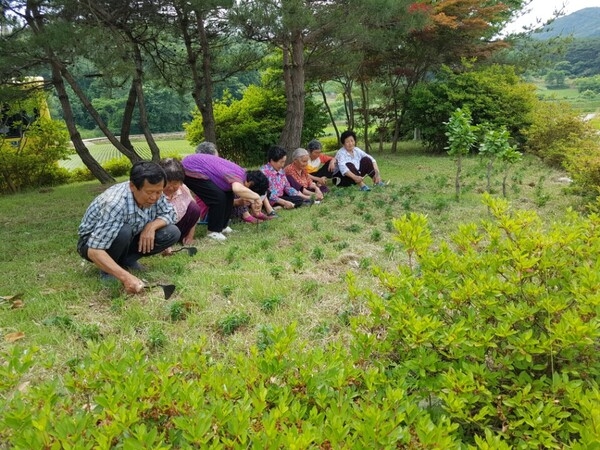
(132, 27)
(213, 53)
(295, 28)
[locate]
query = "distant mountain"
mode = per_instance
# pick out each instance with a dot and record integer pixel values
(581, 24)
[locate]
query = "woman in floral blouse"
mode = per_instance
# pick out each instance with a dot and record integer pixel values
(281, 193)
(299, 178)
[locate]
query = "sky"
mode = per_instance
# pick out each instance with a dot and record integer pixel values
(544, 10)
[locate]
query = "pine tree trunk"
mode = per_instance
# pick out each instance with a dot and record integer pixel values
(293, 75)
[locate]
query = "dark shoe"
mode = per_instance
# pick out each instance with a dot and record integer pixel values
(107, 277)
(134, 265)
(336, 181)
(364, 188)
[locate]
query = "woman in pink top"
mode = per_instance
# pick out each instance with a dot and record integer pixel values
(178, 194)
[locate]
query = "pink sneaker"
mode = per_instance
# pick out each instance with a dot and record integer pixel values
(251, 219)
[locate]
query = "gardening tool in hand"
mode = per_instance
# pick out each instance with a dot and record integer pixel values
(168, 289)
(190, 250)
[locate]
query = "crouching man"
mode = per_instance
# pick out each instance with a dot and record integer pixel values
(126, 222)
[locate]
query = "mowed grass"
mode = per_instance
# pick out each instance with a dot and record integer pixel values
(104, 151)
(293, 269)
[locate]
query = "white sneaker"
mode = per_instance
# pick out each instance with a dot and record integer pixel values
(216, 236)
(227, 230)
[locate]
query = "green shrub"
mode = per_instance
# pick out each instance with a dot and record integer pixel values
(232, 322)
(494, 95)
(498, 329)
(557, 133)
(118, 167)
(33, 160)
(330, 144)
(81, 174)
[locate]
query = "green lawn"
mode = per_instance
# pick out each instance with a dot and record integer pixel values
(301, 257)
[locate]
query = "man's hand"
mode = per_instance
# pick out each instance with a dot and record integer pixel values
(146, 243)
(133, 284)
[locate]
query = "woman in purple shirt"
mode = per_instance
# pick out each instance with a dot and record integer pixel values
(216, 181)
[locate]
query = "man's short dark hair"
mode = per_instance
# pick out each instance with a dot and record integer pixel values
(259, 181)
(173, 169)
(276, 153)
(346, 134)
(147, 170)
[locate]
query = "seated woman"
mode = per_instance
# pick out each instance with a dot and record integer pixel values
(181, 198)
(280, 190)
(320, 167)
(300, 179)
(355, 165)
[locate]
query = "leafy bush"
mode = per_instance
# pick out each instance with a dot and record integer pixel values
(81, 174)
(487, 341)
(118, 167)
(557, 133)
(495, 95)
(32, 161)
(496, 330)
(330, 144)
(232, 322)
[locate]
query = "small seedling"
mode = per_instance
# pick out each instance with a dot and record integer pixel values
(90, 332)
(178, 311)
(354, 228)
(232, 322)
(156, 337)
(227, 290)
(269, 304)
(318, 254)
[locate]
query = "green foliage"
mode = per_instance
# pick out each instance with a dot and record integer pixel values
(269, 304)
(247, 127)
(461, 137)
(494, 95)
(588, 84)
(557, 133)
(330, 144)
(32, 161)
(81, 174)
(496, 145)
(232, 322)
(555, 79)
(117, 167)
(178, 310)
(497, 329)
